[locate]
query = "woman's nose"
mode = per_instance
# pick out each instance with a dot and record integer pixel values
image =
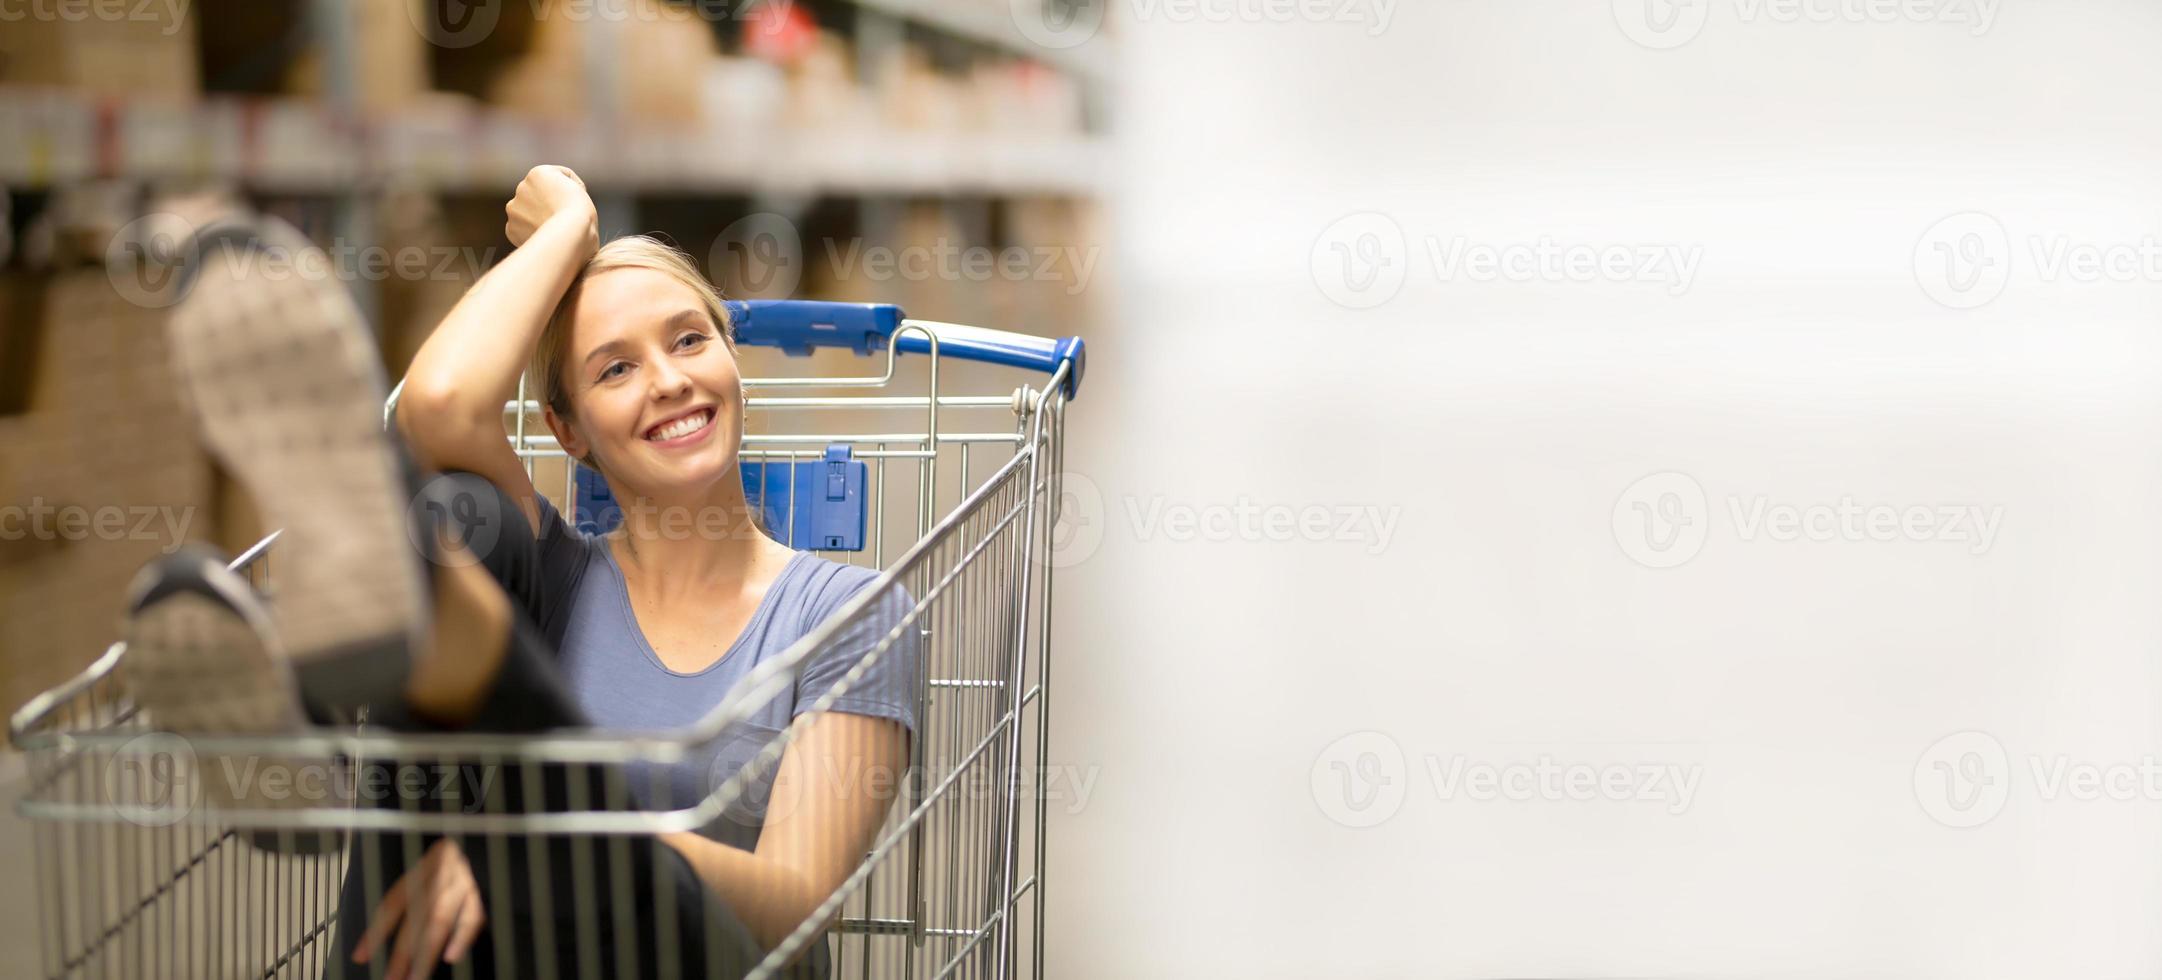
(669, 380)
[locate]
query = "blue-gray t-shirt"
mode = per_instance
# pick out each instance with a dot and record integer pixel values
(581, 605)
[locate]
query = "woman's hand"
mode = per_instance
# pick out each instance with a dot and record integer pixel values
(438, 903)
(546, 193)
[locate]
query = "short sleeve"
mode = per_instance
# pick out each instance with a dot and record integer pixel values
(887, 689)
(560, 557)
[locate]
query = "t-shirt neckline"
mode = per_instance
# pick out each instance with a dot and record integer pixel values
(750, 627)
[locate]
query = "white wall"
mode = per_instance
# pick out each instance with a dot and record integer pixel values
(1204, 682)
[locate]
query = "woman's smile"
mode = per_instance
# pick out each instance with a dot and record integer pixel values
(684, 430)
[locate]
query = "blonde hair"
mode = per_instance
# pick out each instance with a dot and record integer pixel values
(630, 252)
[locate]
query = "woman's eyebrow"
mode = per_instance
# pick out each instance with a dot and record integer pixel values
(671, 323)
(682, 315)
(608, 348)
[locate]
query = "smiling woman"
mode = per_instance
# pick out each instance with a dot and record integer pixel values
(645, 627)
(638, 305)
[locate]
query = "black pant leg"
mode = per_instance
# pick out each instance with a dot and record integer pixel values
(532, 901)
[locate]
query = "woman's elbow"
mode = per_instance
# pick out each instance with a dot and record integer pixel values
(441, 423)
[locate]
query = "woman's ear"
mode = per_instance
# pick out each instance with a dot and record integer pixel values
(566, 434)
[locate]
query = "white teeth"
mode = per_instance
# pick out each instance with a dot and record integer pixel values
(681, 427)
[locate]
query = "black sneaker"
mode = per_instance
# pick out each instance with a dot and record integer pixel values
(278, 369)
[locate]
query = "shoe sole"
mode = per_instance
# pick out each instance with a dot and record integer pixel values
(198, 667)
(288, 395)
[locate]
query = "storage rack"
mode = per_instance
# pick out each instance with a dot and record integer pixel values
(325, 148)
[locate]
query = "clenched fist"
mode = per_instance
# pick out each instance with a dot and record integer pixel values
(549, 193)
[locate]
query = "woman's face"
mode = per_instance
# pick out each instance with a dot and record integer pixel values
(655, 394)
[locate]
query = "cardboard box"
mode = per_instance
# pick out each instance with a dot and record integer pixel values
(543, 87)
(822, 89)
(663, 53)
(119, 50)
(410, 223)
(916, 96)
(392, 57)
(103, 474)
(664, 59)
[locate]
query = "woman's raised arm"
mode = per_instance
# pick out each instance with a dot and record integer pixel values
(451, 409)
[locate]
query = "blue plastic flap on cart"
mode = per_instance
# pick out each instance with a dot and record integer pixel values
(817, 505)
(798, 327)
(597, 512)
(811, 506)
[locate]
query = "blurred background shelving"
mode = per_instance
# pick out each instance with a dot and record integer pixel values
(792, 147)
(370, 122)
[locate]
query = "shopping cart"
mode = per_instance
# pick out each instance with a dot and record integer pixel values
(140, 875)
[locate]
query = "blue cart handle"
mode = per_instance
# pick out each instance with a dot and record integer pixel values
(799, 326)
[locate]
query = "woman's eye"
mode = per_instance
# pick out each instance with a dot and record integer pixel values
(614, 370)
(690, 339)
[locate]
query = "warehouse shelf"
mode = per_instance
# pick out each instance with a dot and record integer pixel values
(301, 146)
(991, 22)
